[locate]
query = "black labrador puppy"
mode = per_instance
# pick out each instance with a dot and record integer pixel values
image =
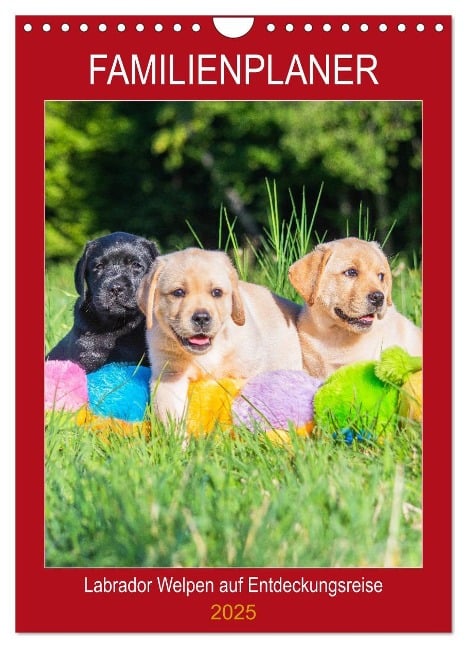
(108, 325)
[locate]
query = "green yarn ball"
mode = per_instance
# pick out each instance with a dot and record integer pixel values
(354, 397)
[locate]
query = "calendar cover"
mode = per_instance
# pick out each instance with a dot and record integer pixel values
(233, 238)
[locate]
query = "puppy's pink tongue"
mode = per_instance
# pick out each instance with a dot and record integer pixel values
(199, 340)
(367, 318)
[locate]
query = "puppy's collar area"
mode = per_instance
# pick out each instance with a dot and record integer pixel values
(103, 320)
(363, 322)
(115, 310)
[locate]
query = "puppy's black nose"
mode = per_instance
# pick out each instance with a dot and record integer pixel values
(376, 298)
(201, 318)
(116, 288)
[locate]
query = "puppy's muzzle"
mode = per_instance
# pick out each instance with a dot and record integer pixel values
(117, 289)
(376, 298)
(200, 342)
(117, 294)
(201, 320)
(375, 301)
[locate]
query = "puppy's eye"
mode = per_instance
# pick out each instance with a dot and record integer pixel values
(216, 292)
(136, 265)
(351, 272)
(179, 292)
(381, 276)
(99, 266)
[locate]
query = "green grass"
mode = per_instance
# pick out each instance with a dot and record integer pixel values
(60, 296)
(226, 501)
(229, 502)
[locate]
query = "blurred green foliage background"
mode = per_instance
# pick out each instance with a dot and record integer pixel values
(148, 167)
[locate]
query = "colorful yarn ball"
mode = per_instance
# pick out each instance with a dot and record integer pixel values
(120, 391)
(411, 397)
(354, 397)
(210, 405)
(349, 436)
(106, 426)
(65, 386)
(274, 400)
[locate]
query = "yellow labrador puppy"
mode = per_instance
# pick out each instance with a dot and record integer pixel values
(202, 321)
(348, 313)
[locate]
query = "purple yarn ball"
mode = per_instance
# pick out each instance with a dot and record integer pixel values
(274, 399)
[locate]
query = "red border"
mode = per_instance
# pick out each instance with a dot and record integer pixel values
(413, 65)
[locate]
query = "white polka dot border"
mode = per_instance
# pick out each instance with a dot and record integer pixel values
(290, 27)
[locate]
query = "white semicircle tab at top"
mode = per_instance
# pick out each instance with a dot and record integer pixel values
(234, 27)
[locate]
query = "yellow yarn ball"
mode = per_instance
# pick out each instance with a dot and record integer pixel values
(282, 437)
(411, 397)
(210, 404)
(105, 426)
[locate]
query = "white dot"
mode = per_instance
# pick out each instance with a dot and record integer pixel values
(345, 27)
(177, 27)
(383, 27)
(83, 27)
(289, 27)
(196, 27)
(439, 27)
(46, 27)
(308, 27)
(327, 27)
(121, 27)
(102, 27)
(65, 27)
(401, 27)
(270, 27)
(27, 27)
(158, 27)
(140, 27)
(364, 27)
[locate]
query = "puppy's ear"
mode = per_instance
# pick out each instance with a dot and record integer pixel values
(146, 293)
(80, 272)
(387, 277)
(238, 310)
(305, 274)
(152, 249)
(389, 296)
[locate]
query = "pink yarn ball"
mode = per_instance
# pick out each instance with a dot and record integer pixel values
(65, 386)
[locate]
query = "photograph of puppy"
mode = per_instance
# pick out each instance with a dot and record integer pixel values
(203, 321)
(348, 313)
(108, 326)
(215, 454)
